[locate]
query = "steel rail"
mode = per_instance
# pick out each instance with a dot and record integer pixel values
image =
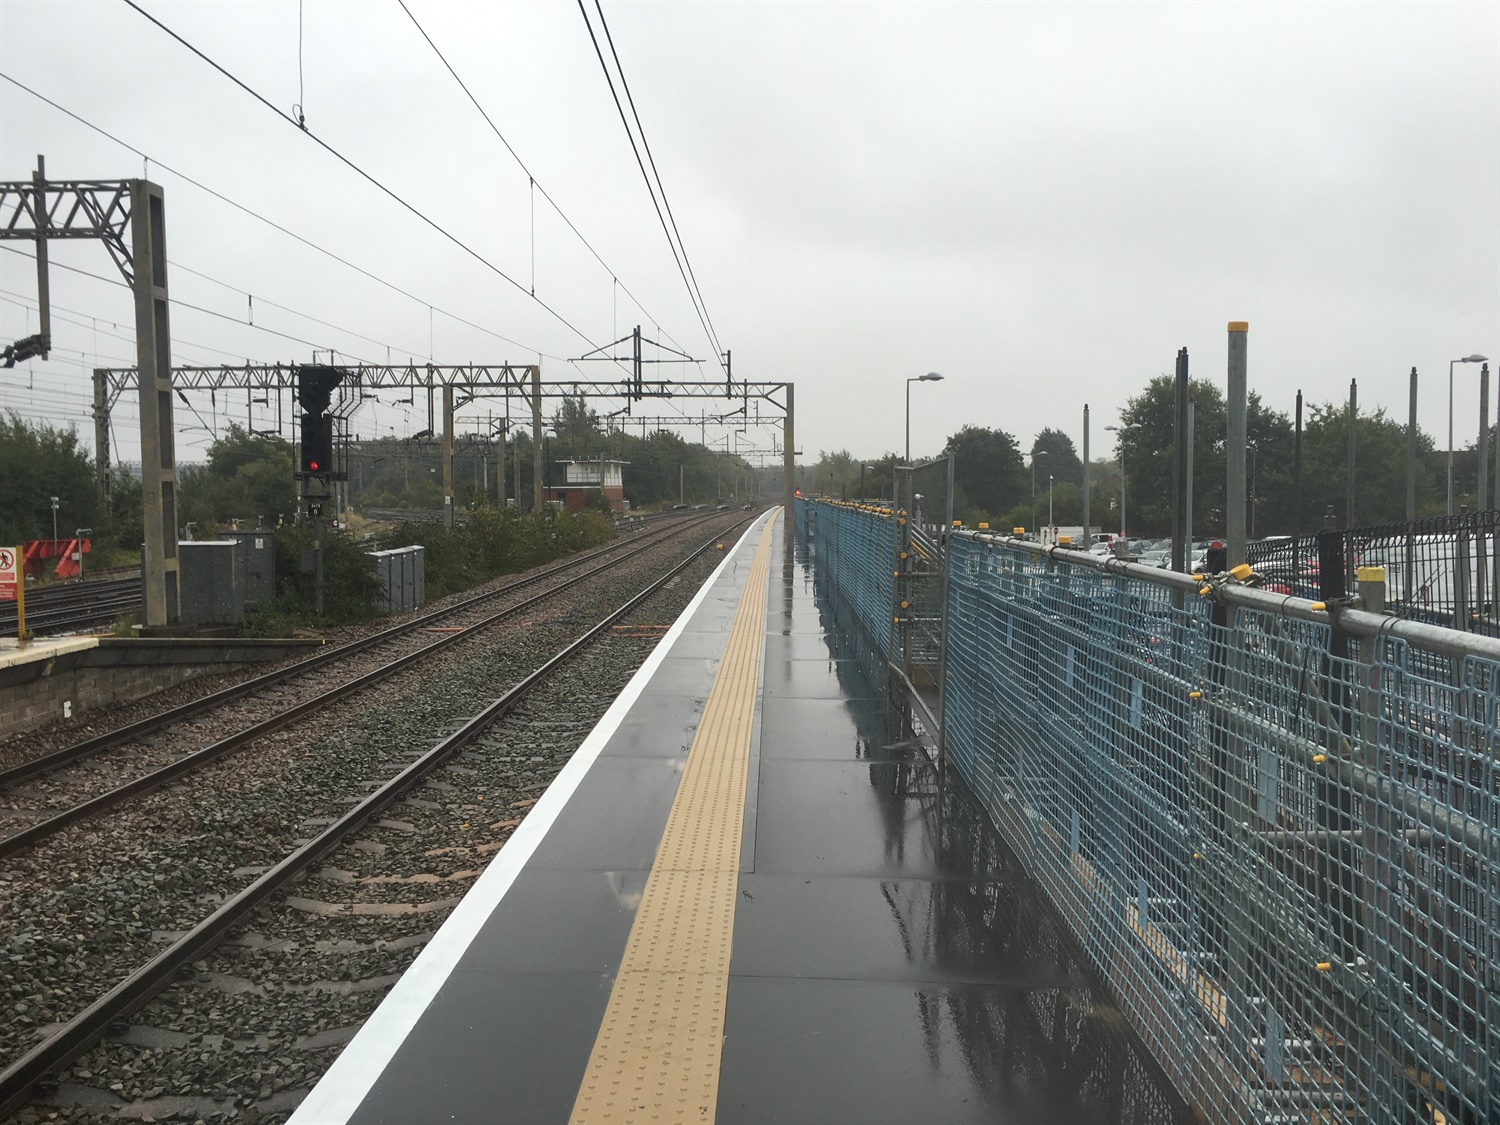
(146, 783)
(80, 1032)
(100, 742)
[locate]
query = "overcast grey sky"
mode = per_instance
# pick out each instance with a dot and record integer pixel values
(1043, 202)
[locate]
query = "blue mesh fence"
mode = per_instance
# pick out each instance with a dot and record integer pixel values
(1276, 840)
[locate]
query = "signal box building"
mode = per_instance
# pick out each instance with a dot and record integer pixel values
(583, 479)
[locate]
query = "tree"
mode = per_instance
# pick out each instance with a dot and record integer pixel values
(247, 477)
(1380, 468)
(1058, 456)
(38, 462)
(988, 474)
(1147, 441)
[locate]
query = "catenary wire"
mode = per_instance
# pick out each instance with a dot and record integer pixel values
(651, 190)
(368, 177)
(462, 85)
(660, 187)
(272, 223)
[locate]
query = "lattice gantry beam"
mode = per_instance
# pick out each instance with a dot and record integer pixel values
(98, 209)
(477, 379)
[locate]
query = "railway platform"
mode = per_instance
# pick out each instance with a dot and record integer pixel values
(743, 900)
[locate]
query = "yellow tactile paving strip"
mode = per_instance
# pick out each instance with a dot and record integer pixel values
(657, 1055)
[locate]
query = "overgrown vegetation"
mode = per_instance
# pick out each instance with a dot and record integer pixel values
(497, 541)
(39, 461)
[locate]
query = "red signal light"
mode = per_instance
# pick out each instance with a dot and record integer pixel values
(314, 466)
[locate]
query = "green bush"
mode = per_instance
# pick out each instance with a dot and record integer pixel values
(497, 541)
(350, 587)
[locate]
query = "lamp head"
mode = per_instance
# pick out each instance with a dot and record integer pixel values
(930, 377)
(1475, 358)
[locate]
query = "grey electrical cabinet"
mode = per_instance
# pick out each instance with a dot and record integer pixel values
(402, 576)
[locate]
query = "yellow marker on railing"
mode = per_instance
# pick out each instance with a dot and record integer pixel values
(1242, 572)
(1324, 966)
(1319, 759)
(1195, 695)
(1018, 531)
(1064, 540)
(984, 526)
(1318, 605)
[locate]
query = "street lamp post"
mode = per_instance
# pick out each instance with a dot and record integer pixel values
(1034, 456)
(1451, 362)
(1049, 499)
(930, 377)
(1124, 534)
(54, 519)
(1254, 492)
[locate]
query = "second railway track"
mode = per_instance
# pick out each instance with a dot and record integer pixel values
(44, 795)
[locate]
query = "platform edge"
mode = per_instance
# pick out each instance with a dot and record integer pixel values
(349, 1080)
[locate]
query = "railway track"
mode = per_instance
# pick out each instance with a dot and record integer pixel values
(77, 605)
(327, 953)
(144, 755)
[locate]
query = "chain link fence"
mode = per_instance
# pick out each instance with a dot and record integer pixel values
(1444, 570)
(1274, 829)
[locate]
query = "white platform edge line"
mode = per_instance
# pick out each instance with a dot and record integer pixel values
(349, 1080)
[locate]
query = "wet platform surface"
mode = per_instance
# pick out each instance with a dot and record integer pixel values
(890, 962)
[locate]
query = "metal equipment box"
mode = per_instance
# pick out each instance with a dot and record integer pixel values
(211, 582)
(258, 554)
(402, 575)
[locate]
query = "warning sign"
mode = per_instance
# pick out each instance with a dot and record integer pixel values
(10, 573)
(13, 586)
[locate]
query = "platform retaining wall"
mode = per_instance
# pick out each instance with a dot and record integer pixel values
(66, 686)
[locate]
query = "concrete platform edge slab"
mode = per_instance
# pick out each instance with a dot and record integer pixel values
(345, 1085)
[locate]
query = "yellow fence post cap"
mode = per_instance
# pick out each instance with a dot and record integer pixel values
(1370, 574)
(1064, 540)
(983, 526)
(1242, 572)
(1018, 531)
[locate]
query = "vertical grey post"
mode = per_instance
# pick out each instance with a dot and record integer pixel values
(500, 461)
(43, 284)
(1179, 462)
(942, 668)
(318, 566)
(1297, 491)
(101, 438)
(1481, 539)
(447, 454)
(154, 366)
(1408, 572)
(1237, 437)
(1353, 444)
(1087, 536)
(1192, 437)
(1411, 449)
(536, 438)
(1484, 438)
(789, 457)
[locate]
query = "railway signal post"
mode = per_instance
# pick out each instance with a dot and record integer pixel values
(315, 387)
